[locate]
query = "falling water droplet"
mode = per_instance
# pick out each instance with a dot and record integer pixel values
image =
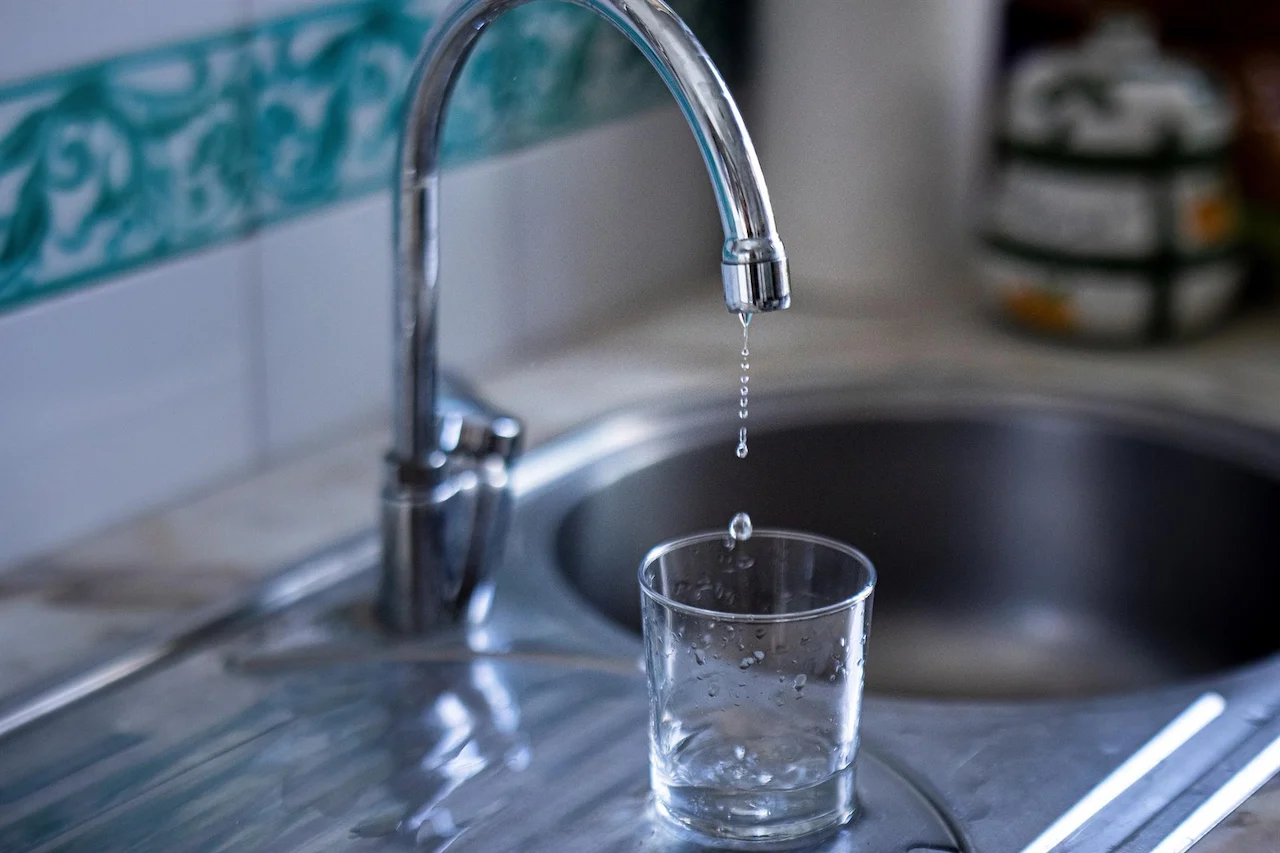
(759, 655)
(800, 681)
(740, 526)
(742, 450)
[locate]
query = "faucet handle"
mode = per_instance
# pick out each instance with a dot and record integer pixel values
(477, 435)
(446, 518)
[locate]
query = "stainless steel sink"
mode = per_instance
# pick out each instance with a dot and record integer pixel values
(1025, 547)
(1028, 547)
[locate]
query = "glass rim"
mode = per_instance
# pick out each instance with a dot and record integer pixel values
(664, 548)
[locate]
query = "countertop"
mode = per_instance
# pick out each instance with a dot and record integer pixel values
(120, 585)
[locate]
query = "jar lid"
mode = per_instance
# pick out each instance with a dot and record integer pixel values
(1116, 94)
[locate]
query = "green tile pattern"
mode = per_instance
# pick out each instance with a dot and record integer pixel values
(148, 156)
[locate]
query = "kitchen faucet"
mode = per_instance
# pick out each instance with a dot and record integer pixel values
(445, 497)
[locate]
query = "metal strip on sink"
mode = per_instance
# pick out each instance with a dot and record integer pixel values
(1224, 801)
(1167, 741)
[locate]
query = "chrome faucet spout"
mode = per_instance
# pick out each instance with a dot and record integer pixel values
(417, 587)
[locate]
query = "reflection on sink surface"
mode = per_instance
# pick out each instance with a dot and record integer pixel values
(1024, 550)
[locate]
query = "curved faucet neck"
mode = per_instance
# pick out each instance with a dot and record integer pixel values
(753, 261)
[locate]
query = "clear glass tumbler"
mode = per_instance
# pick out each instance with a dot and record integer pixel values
(754, 651)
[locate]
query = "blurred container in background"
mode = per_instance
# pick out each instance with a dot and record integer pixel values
(1236, 45)
(1113, 214)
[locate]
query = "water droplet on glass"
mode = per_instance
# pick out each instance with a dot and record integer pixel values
(800, 681)
(740, 526)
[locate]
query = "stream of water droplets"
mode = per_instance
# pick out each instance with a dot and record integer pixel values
(744, 379)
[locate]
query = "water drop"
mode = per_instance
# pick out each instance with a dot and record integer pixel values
(746, 662)
(739, 752)
(800, 681)
(759, 655)
(745, 352)
(697, 656)
(740, 526)
(760, 632)
(742, 451)
(742, 413)
(843, 642)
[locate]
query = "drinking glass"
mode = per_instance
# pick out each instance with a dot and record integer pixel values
(754, 652)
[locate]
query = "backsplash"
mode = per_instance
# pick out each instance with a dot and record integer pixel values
(196, 218)
(149, 155)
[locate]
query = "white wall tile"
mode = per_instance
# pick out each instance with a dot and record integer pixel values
(615, 219)
(38, 36)
(326, 309)
(534, 246)
(123, 397)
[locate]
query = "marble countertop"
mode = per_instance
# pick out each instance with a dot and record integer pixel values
(127, 582)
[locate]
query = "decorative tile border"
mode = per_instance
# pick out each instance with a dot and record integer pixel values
(143, 157)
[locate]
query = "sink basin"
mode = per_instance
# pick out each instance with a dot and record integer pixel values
(1036, 547)
(1026, 547)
